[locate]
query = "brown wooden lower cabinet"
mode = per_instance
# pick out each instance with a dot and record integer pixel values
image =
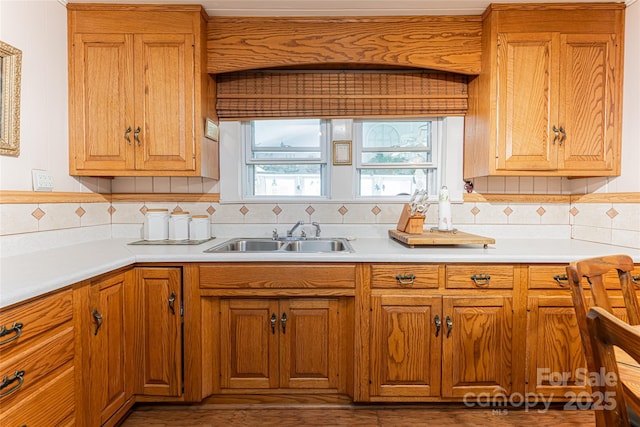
(439, 346)
(282, 343)
(156, 322)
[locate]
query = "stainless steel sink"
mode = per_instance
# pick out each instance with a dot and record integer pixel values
(328, 245)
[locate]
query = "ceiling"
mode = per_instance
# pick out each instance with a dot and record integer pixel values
(338, 7)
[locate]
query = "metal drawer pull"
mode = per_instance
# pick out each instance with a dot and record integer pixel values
(438, 323)
(283, 320)
(98, 318)
(564, 135)
(405, 279)
(636, 279)
(126, 135)
(449, 326)
(18, 376)
(172, 301)
(136, 135)
(561, 279)
(17, 328)
(273, 323)
(481, 279)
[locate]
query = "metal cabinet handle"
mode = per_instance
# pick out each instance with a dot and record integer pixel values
(283, 320)
(449, 326)
(405, 279)
(136, 135)
(438, 323)
(18, 376)
(126, 135)
(16, 328)
(481, 279)
(172, 301)
(273, 323)
(561, 279)
(564, 135)
(636, 280)
(98, 318)
(556, 133)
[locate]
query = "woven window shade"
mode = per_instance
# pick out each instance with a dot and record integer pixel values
(332, 94)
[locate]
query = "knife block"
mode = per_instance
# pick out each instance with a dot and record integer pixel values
(410, 224)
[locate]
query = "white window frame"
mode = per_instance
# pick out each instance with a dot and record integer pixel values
(249, 163)
(435, 163)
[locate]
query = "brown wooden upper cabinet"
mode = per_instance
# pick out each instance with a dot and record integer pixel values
(138, 95)
(548, 100)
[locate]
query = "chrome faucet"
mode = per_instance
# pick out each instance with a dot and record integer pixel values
(298, 224)
(317, 226)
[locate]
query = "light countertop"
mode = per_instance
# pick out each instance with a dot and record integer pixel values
(29, 275)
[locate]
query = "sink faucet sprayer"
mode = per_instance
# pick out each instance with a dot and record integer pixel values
(317, 226)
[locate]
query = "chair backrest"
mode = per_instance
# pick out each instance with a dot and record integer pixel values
(607, 331)
(594, 270)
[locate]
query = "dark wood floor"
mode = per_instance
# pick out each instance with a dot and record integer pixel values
(329, 416)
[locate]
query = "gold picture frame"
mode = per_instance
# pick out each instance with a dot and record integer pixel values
(341, 153)
(10, 76)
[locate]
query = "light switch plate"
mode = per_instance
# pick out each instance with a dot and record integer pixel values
(42, 180)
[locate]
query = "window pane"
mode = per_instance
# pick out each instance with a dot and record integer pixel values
(394, 182)
(288, 134)
(287, 180)
(405, 134)
(401, 157)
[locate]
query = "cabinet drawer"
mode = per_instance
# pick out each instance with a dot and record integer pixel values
(52, 404)
(38, 360)
(479, 276)
(555, 277)
(277, 276)
(58, 309)
(412, 276)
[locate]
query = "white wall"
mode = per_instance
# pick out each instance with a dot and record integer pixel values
(38, 28)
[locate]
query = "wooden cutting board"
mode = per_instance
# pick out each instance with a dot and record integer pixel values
(436, 237)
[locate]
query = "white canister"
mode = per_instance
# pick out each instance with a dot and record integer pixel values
(179, 226)
(199, 229)
(156, 224)
(444, 210)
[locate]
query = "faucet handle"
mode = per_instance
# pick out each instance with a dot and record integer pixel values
(274, 234)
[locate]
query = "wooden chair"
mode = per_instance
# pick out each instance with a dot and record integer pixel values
(594, 270)
(607, 331)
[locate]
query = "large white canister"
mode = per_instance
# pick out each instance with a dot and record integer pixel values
(179, 226)
(199, 229)
(156, 224)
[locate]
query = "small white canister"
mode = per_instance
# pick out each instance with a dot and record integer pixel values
(156, 224)
(179, 226)
(199, 229)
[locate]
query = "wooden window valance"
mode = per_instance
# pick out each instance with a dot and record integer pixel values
(333, 94)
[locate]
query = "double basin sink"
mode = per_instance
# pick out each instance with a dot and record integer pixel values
(329, 245)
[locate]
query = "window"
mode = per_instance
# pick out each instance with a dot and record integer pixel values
(286, 157)
(396, 157)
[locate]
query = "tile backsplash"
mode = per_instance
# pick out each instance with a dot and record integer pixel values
(605, 222)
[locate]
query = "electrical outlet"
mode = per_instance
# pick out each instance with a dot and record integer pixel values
(42, 180)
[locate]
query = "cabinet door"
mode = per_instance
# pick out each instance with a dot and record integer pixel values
(587, 100)
(108, 346)
(101, 98)
(309, 343)
(554, 347)
(527, 84)
(476, 346)
(157, 323)
(405, 346)
(164, 70)
(249, 343)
